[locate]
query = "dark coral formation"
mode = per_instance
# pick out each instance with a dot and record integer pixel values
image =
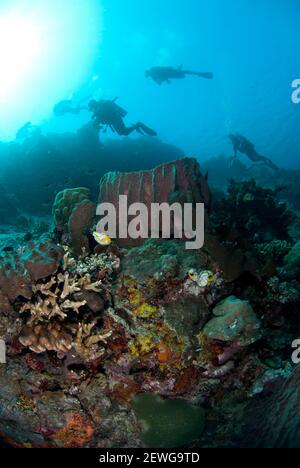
(20, 270)
(66, 160)
(73, 213)
(252, 213)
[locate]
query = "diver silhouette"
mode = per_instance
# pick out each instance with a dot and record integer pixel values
(242, 145)
(107, 114)
(165, 74)
(67, 107)
(28, 130)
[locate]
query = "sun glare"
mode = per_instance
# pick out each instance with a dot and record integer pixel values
(20, 48)
(47, 51)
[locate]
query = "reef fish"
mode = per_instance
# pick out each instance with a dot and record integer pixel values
(101, 238)
(203, 278)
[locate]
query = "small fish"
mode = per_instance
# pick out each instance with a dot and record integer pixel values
(203, 279)
(102, 238)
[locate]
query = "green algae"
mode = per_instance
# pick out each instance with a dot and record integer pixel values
(168, 423)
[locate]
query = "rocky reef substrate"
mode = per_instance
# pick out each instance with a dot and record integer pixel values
(98, 337)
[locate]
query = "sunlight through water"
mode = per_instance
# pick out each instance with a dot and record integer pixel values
(43, 57)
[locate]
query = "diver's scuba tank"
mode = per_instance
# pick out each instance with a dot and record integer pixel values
(108, 111)
(121, 112)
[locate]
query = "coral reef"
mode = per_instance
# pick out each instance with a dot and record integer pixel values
(234, 321)
(19, 271)
(73, 213)
(292, 261)
(252, 213)
(102, 338)
(8, 209)
(280, 425)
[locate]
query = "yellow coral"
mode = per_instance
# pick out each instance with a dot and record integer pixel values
(141, 345)
(146, 311)
(135, 297)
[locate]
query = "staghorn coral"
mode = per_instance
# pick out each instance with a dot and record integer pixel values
(50, 301)
(42, 309)
(50, 324)
(86, 343)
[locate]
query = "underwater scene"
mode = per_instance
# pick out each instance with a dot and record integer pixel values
(149, 224)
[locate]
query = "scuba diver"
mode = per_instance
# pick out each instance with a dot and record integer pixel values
(107, 114)
(165, 74)
(67, 107)
(28, 130)
(244, 146)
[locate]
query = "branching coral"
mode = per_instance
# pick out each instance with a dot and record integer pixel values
(86, 343)
(50, 314)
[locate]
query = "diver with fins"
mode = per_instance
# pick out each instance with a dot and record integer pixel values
(108, 114)
(242, 145)
(166, 74)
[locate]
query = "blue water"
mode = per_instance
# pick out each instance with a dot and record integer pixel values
(251, 46)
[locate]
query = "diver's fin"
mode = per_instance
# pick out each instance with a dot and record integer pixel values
(270, 164)
(206, 75)
(147, 130)
(138, 129)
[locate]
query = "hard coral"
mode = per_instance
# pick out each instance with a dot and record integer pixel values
(50, 323)
(52, 336)
(234, 321)
(86, 343)
(74, 214)
(251, 213)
